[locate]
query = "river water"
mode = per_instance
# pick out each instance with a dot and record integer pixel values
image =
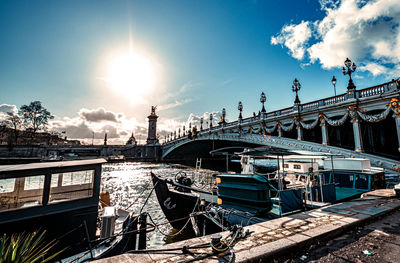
(130, 185)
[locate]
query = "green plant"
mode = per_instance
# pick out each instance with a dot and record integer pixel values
(26, 248)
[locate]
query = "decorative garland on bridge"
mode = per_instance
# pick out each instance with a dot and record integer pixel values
(310, 125)
(375, 117)
(271, 130)
(351, 112)
(287, 128)
(338, 122)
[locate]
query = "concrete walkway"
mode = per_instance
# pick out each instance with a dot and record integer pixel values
(278, 236)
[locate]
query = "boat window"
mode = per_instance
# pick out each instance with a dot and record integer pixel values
(21, 192)
(286, 165)
(71, 186)
(7, 185)
(361, 181)
(344, 180)
(296, 166)
(34, 182)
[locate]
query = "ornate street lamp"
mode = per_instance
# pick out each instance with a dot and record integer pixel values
(240, 108)
(211, 118)
(295, 88)
(350, 69)
(223, 117)
(262, 100)
(334, 84)
(201, 123)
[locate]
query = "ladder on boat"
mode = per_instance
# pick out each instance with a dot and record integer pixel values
(198, 164)
(197, 170)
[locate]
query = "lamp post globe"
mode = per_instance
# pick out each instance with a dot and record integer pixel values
(295, 88)
(263, 99)
(240, 108)
(351, 67)
(334, 84)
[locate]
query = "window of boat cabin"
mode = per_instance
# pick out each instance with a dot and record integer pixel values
(21, 192)
(296, 166)
(361, 181)
(71, 186)
(344, 180)
(286, 165)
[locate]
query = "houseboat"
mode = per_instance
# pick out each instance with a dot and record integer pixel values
(59, 197)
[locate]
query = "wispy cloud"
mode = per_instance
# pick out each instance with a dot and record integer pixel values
(173, 105)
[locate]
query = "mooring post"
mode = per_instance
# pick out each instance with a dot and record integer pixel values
(142, 230)
(133, 228)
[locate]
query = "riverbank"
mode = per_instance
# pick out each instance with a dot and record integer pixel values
(378, 241)
(276, 239)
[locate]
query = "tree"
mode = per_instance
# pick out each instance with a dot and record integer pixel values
(13, 121)
(35, 115)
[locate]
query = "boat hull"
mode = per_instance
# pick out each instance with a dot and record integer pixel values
(176, 206)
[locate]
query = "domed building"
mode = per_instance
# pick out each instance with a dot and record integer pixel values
(131, 140)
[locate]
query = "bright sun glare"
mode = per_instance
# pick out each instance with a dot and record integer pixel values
(131, 74)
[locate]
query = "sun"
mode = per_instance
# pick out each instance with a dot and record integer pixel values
(131, 74)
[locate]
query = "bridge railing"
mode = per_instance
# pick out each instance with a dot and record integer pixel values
(314, 105)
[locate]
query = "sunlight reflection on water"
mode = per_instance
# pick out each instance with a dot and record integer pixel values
(127, 181)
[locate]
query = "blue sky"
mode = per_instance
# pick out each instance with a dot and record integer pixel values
(205, 56)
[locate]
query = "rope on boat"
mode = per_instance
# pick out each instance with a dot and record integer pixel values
(140, 195)
(147, 199)
(223, 246)
(180, 231)
(184, 249)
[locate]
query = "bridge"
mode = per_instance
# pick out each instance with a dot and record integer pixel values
(359, 123)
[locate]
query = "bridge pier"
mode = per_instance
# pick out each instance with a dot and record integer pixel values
(397, 119)
(324, 131)
(357, 135)
(299, 132)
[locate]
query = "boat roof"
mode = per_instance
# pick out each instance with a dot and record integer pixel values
(49, 165)
(270, 152)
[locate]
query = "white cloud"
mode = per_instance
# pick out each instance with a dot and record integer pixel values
(4, 108)
(295, 38)
(98, 115)
(374, 68)
(368, 32)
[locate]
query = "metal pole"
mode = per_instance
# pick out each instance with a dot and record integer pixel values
(88, 238)
(334, 86)
(142, 230)
(227, 162)
(133, 227)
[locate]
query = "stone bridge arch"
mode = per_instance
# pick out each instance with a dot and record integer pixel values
(185, 146)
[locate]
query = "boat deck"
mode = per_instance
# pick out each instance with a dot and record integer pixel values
(280, 235)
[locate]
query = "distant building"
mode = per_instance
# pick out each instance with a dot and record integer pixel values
(131, 140)
(28, 137)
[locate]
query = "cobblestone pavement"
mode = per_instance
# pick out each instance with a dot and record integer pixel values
(375, 242)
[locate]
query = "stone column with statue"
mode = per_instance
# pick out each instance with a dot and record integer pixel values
(152, 132)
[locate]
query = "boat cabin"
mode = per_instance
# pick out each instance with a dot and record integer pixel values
(58, 197)
(352, 176)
